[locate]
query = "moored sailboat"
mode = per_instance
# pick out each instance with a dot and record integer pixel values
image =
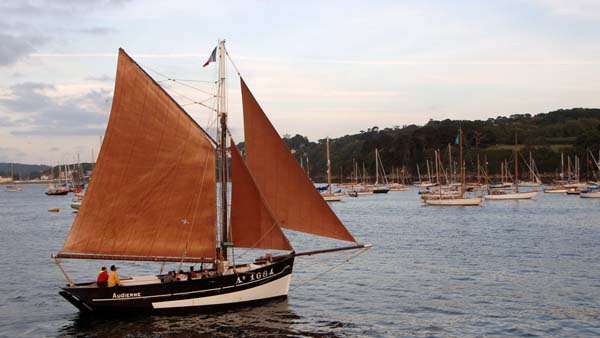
(12, 187)
(516, 194)
(452, 199)
(330, 195)
(177, 217)
(379, 187)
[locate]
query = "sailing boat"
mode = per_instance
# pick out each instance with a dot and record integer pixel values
(330, 195)
(424, 184)
(12, 187)
(379, 188)
(534, 177)
(516, 195)
(399, 185)
(454, 200)
(151, 139)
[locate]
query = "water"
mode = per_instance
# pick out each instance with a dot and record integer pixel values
(509, 268)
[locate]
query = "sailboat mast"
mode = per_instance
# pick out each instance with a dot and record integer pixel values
(376, 166)
(462, 169)
(516, 164)
(328, 168)
(478, 171)
(450, 162)
(222, 148)
(437, 171)
(562, 166)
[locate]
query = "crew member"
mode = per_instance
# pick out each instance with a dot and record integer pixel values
(113, 278)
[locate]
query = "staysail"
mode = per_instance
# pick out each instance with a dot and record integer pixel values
(252, 224)
(153, 193)
(291, 196)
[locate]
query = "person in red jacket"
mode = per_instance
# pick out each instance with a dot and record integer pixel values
(102, 277)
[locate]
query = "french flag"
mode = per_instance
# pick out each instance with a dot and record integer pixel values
(211, 58)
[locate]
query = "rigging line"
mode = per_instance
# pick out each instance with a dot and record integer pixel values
(205, 100)
(233, 63)
(302, 282)
(192, 100)
(157, 72)
(211, 124)
(168, 78)
(192, 223)
(268, 232)
(192, 87)
(201, 81)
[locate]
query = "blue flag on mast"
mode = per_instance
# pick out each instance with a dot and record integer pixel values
(211, 58)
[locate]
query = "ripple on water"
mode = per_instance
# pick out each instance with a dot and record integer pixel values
(453, 272)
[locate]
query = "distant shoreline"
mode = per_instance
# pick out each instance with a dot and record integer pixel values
(27, 182)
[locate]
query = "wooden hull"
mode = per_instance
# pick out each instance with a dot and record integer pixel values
(555, 191)
(455, 202)
(333, 197)
(529, 184)
(149, 295)
(512, 196)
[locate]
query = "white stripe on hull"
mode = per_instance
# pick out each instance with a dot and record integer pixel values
(276, 288)
(513, 196)
(460, 202)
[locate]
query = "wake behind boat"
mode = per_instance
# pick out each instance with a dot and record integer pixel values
(177, 217)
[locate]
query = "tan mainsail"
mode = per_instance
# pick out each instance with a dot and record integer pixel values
(252, 225)
(289, 193)
(153, 190)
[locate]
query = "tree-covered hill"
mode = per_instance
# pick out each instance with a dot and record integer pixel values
(22, 171)
(572, 131)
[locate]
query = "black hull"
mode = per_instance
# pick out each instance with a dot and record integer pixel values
(381, 191)
(60, 193)
(198, 295)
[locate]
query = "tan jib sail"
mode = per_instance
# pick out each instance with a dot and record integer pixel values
(252, 224)
(153, 190)
(289, 193)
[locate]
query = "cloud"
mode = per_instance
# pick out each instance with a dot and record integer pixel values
(103, 78)
(28, 25)
(40, 109)
(97, 30)
(7, 154)
(574, 8)
(14, 47)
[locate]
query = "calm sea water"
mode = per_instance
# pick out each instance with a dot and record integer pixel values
(509, 268)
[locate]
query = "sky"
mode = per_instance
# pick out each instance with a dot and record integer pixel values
(318, 68)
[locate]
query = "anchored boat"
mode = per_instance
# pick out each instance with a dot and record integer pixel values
(154, 198)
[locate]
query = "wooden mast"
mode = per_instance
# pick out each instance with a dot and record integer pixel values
(462, 168)
(376, 167)
(437, 171)
(222, 147)
(328, 169)
(450, 163)
(516, 164)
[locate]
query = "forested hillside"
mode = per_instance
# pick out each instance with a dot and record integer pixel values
(572, 131)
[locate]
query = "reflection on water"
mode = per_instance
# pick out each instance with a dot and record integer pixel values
(268, 319)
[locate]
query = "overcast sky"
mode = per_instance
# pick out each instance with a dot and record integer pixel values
(318, 68)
